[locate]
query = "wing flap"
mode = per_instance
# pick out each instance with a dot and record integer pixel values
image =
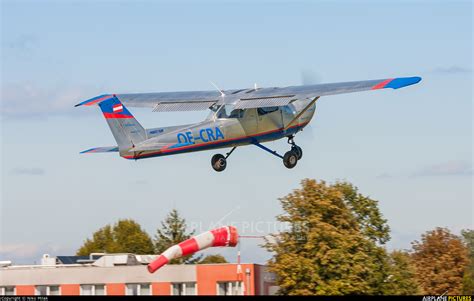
(183, 106)
(152, 99)
(262, 102)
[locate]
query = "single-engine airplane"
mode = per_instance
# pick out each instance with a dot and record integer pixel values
(238, 117)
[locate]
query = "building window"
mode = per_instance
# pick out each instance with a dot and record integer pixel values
(183, 289)
(86, 289)
(48, 290)
(145, 289)
(140, 289)
(176, 289)
(99, 290)
(54, 290)
(41, 290)
(7, 291)
(230, 288)
(92, 289)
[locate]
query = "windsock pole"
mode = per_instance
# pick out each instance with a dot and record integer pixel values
(221, 237)
(240, 276)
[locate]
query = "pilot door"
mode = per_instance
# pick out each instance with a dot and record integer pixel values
(269, 118)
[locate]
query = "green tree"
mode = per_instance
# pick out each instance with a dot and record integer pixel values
(440, 261)
(331, 246)
(374, 227)
(401, 279)
(215, 258)
(172, 232)
(126, 236)
(468, 279)
(368, 216)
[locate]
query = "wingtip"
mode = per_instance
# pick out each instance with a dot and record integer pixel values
(417, 79)
(402, 82)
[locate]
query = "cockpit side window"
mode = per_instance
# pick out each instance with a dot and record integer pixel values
(266, 110)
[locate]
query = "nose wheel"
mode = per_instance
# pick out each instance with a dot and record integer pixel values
(219, 162)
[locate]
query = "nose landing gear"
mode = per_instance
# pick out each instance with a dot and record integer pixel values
(219, 162)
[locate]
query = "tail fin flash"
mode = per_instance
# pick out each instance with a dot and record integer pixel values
(126, 129)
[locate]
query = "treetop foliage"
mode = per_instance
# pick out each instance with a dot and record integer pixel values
(331, 245)
(125, 236)
(173, 231)
(440, 260)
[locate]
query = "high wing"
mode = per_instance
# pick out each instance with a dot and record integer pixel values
(248, 98)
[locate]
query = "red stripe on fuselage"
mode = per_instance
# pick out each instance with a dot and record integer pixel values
(172, 150)
(382, 84)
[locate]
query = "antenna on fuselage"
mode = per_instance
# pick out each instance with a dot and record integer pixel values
(220, 91)
(255, 86)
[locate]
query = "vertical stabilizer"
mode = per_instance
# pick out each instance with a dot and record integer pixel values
(126, 129)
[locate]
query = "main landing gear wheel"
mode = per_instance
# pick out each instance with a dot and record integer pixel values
(298, 151)
(218, 162)
(290, 159)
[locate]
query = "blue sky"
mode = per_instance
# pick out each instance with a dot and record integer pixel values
(411, 149)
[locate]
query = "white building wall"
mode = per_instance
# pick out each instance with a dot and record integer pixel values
(90, 274)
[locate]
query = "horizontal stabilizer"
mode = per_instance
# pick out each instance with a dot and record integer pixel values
(103, 149)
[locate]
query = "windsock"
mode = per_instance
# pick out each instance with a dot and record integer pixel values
(221, 237)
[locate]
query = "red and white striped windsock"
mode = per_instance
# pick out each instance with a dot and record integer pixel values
(221, 237)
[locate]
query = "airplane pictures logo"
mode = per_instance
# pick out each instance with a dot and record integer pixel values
(448, 298)
(117, 108)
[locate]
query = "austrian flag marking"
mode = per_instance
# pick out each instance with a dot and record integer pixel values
(117, 108)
